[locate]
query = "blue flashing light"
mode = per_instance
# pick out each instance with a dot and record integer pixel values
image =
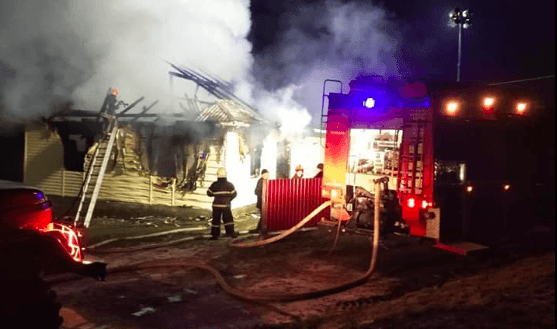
(375, 101)
(369, 103)
(378, 99)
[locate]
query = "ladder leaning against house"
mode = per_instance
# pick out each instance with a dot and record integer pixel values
(95, 174)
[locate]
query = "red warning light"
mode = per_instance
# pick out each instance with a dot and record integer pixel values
(452, 108)
(521, 108)
(488, 103)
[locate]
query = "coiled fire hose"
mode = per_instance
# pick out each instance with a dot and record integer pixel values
(258, 297)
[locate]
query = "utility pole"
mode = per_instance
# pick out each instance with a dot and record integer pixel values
(463, 19)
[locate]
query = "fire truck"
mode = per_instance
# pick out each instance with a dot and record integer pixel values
(440, 136)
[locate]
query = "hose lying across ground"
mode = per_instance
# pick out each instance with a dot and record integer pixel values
(287, 232)
(258, 297)
(180, 262)
(237, 245)
(188, 229)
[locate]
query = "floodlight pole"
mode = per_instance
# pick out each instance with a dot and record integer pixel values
(463, 20)
(459, 52)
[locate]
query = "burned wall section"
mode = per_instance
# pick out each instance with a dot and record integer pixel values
(255, 139)
(174, 151)
(129, 154)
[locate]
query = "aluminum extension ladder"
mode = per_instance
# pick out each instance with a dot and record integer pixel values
(95, 175)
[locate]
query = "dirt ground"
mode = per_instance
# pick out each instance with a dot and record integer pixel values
(414, 285)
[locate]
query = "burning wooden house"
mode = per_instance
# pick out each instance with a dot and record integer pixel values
(152, 162)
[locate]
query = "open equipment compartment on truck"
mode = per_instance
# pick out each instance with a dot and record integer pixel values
(443, 137)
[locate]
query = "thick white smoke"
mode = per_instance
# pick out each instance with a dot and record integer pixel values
(75, 50)
(333, 40)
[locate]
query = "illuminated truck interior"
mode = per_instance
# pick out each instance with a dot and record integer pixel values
(460, 158)
(377, 130)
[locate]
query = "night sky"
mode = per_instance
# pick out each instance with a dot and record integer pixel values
(70, 51)
(509, 39)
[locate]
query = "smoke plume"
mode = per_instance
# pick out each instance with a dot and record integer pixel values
(331, 41)
(74, 50)
(65, 50)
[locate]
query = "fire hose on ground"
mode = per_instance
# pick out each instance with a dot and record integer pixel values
(180, 262)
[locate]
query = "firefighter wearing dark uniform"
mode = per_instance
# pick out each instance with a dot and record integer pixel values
(108, 110)
(223, 191)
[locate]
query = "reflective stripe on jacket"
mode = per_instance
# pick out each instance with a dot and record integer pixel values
(223, 191)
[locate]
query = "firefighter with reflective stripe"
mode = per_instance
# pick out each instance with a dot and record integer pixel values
(223, 191)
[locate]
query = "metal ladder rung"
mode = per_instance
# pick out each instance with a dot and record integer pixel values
(95, 173)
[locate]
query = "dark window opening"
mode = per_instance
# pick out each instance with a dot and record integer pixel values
(77, 138)
(12, 145)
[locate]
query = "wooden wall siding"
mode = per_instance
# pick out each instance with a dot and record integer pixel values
(43, 158)
(44, 168)
(125, 188)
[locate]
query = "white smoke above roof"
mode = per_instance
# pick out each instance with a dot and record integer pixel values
(74, 50)
(334, 40)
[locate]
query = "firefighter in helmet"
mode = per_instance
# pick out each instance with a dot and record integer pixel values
(110, 103)
(299, 174)
(223, 191)
(109, 107)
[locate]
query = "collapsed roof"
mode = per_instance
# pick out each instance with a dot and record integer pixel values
(228, 110)
(227, 113)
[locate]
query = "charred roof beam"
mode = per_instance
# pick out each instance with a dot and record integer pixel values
(145, 110)
(214, 86)
(129, 107)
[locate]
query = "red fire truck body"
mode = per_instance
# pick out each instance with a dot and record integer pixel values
(381, 106)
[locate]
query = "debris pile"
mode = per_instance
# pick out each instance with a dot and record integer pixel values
(129, 153)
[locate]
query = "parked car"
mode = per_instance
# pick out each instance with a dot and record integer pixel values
(32, 244)
(23, 207)
(27, 207)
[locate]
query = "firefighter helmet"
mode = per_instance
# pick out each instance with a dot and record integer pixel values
(221, 173)
(299, 168)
